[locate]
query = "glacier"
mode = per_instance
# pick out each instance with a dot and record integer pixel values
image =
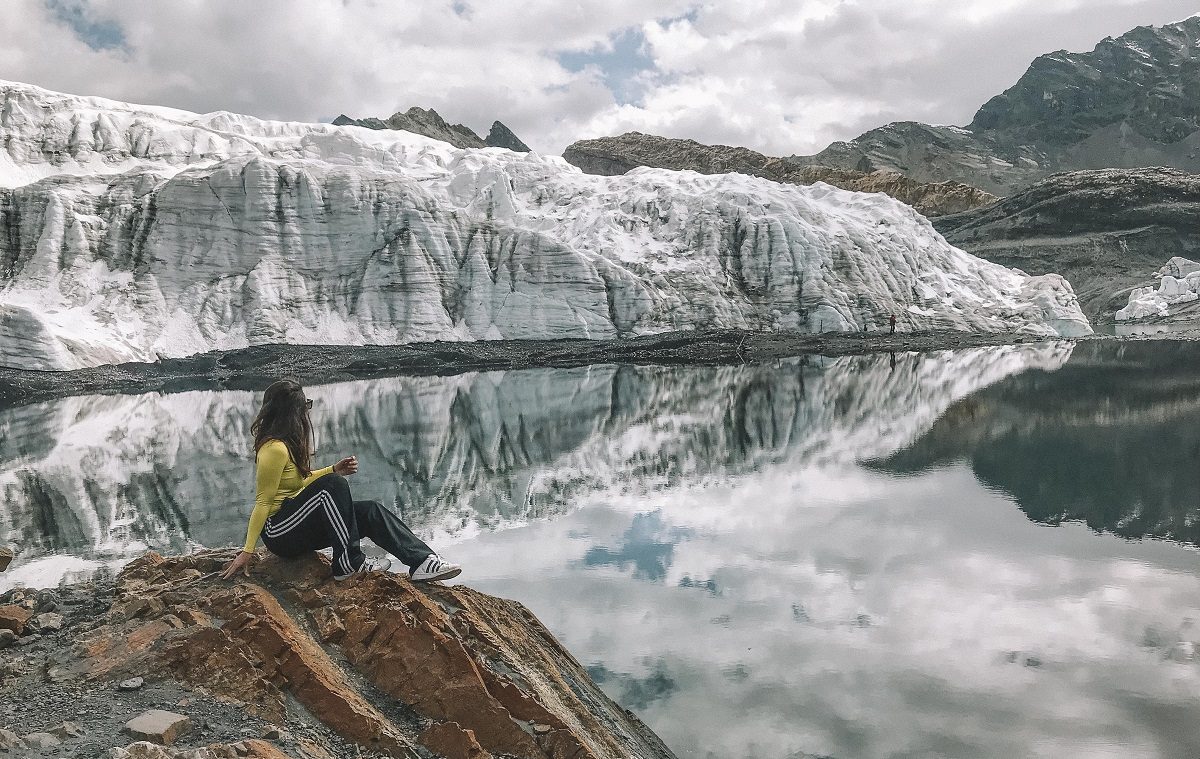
(134, 233)
(91, 481)
(1178, 283)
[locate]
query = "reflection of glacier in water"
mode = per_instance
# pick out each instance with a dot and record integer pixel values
(92, 480)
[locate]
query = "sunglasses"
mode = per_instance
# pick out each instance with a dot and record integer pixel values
(308, 403)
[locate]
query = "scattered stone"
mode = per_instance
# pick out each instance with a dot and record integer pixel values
(134, 683)
(46, 601)
(7, 638)
(275, 733)
(541, 729)
(59, 674)
(158, 726)
(41, 740)
(13, 617)
(28, 604)
(6, 557)
(47, 623)
(66, 730)
(27, 640)
(10, 740)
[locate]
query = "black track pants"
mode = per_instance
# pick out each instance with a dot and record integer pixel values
(324, 515)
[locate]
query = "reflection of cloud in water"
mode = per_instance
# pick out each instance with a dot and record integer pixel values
(635, 692)
(103, 477)
(647, 545)
(924, 605)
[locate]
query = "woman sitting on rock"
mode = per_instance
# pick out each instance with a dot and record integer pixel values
(298, 509)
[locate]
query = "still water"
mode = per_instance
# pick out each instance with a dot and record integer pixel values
(981, 553)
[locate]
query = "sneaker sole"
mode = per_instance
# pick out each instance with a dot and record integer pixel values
(447, 575)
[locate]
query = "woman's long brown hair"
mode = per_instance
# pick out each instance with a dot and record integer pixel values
(284, 417)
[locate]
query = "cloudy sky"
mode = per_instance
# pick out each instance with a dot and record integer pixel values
(780, 76)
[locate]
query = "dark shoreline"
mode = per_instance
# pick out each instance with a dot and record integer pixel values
(252, 368)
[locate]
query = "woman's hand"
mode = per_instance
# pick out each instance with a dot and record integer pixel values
(348, 465)
(242, 562)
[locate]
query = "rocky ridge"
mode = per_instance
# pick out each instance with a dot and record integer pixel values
(430, 123)
(377, 667)
(1133, 101)
(609, 156)
(1107, 231)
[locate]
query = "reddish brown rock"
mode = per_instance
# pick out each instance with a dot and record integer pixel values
(482, 675)
(449, 740)
(15, 618)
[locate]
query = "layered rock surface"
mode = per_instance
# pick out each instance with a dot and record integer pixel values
(133, 233)
(1106, 231)
(1133, 101)
(397, 669)
(428, 122)
(610, 156)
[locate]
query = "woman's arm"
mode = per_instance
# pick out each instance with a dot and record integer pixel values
(271, 460)
(318, 473)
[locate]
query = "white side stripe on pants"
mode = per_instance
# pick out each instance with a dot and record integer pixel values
(322, 500)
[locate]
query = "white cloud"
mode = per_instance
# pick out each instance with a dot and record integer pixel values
(781, 76)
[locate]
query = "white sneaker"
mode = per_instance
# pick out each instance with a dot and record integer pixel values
(369, 564)
(434, 568)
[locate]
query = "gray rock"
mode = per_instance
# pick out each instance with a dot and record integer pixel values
(66, 730)
(501, 136)
(10, 741)
(47, 622)
(7, 638)
(158, 726)
(41, 740)
(133, 683)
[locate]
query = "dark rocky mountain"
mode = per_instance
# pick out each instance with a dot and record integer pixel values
(429, 122)
(1133, 101)
(611, 156)
(1107, 231)
(501, 136)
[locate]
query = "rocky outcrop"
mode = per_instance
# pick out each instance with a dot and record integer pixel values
(157, 233)
(1131, 102)
(500, 136)
(384, 663)
(611, 156)
(1106, 231)
(429, 122)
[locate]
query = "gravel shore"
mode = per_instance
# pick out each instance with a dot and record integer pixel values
(252, 368)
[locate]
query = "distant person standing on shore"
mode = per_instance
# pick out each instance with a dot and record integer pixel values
(298, 510)
(892, 323)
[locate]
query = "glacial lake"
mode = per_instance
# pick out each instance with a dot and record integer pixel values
(980, 553)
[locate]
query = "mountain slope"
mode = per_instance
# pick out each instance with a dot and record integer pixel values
(429, 122)
(610, 156)
(130, 233)
(1106, 231)
(1133, 101)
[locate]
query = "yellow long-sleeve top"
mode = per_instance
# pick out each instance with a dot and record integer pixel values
(275, 478)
